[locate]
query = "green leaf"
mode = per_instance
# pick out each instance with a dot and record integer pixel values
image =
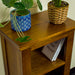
(22, 12)
(18, 5)
(27, 3)
(39, 4)
(57, 3)
(9, 3)
(23, 39)
(1, 25)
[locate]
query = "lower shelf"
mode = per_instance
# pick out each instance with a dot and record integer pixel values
(41, 65)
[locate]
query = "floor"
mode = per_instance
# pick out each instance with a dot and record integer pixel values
(72, 71)
(72, 74)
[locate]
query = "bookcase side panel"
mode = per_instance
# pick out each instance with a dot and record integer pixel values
(14, 59)
(68, 52)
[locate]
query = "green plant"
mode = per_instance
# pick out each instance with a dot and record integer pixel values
(21, 5)
(57, 3)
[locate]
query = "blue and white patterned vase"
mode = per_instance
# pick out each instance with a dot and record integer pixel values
(24, 22)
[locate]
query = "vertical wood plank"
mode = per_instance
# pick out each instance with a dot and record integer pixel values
(68, 52)
(26, 62)
(4, 55)
(15, 61)
(14, 58)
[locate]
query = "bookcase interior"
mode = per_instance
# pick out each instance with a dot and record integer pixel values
(58, 71)
(41, 65)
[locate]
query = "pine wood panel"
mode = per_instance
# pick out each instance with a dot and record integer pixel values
(48, 40)
(68, 52)
(14, 59)
(41, 30)
(41, 65)
(26, 62)
(20, 59)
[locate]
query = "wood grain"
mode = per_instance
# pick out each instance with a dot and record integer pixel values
(14, 59)
(41, 65)
(68, 52)
(48, 40)
(26, 62)
(41, 30)
(20, 59)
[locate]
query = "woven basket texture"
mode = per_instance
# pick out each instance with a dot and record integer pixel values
(57, 15)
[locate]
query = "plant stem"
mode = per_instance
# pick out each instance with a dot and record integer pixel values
(6, 23)
(17, 28)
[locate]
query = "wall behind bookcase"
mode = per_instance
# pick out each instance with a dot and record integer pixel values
(34, 10)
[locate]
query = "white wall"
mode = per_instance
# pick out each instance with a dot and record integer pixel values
(2, 71)
(71, 14)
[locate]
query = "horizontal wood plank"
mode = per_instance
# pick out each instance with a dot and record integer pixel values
(41, 30)
(41, 65)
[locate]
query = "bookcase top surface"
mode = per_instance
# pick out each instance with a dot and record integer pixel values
(40, 31)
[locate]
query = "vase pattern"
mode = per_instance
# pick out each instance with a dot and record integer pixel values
(24, 22)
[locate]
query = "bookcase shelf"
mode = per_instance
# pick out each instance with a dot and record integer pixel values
(41, 65)
(26, 58)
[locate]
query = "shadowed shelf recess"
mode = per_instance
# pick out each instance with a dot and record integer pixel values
(26, 58)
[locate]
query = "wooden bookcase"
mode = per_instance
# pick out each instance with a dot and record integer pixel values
(26, 58)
